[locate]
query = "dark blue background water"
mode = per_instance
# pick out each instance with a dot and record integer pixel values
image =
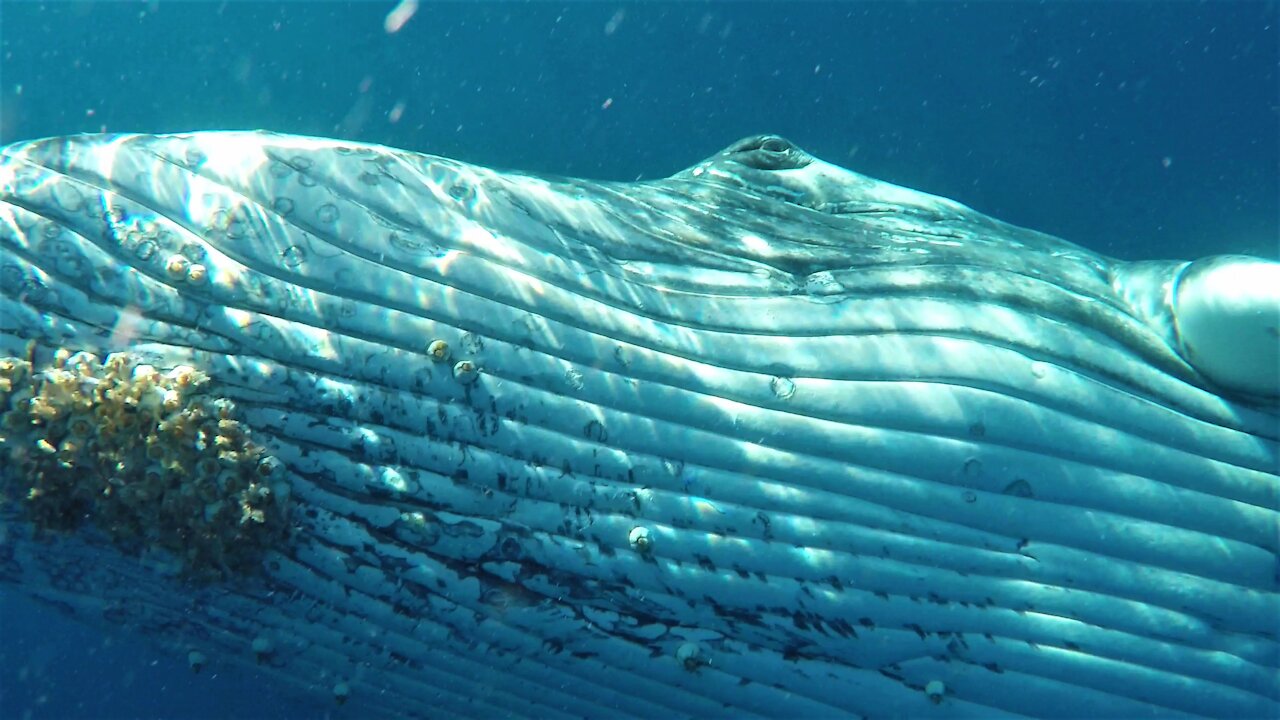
(1138, 129)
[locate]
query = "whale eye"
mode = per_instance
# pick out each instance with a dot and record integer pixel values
(776, 145)
(769, 152)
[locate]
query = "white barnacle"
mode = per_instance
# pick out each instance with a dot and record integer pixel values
(197, 274)
(262, 648)
(341, 692)
(269, 466)
(438, 350)
(640, 539)
(466, 372)
(690, 656)
(934, 690)
(176, 267)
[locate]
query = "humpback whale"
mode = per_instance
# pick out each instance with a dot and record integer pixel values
(765, 437)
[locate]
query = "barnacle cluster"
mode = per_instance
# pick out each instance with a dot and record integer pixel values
(147, 455)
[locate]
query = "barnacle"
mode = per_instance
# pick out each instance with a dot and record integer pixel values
(465, 372)
(341, 692)
(263, 648)
(197, 274)
(438, 350)
(177, 266)
(690, 656)
(145, 454)
(640, 539)
(934, 691)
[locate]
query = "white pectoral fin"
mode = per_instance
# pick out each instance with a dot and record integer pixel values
(1227, 313)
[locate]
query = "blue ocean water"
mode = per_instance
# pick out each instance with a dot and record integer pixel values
(1141, 129)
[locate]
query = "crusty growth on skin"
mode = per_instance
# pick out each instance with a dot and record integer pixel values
(145, 454)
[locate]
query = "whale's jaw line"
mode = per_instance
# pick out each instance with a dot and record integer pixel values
(766, 437)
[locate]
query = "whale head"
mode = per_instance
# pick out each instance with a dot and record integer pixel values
(764, 437)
